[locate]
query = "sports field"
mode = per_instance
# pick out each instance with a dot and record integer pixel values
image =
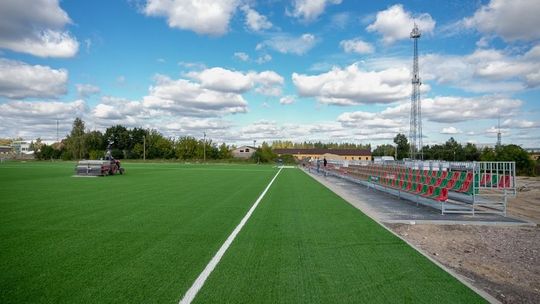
(146, 236)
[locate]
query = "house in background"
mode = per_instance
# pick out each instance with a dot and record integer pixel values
(244, 152)
(329, 154)
(6, 150)
(21, 147)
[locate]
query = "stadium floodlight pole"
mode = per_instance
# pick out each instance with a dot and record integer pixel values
(204, 147)
(144, 147)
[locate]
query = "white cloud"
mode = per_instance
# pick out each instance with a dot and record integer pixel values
(452, 109)
(395, 24)
(520, 124)
(511, 20)
(113, 111)
(267, 130)
(85, 90)
(309, 10)
(21, 80)
(241, 56)
(264, 58)
(220, 79)
(187, 125)
(437, 113)
(362, 119)
(356, 45)
(353, 86)
(223, 80)
(451, 130)
(36, 27)
(255, 21)
(186, 98)
(287, 44)
(285, 100)
(268, 83)
(201, 16)
(340, 20)
(485, 70)
(31, 119)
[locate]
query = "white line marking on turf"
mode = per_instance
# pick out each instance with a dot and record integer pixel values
(199, 282)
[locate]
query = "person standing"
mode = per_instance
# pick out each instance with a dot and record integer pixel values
(325, 162)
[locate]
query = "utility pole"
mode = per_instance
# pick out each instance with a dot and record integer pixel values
(144, 147)
(204, 147)
(415, 133)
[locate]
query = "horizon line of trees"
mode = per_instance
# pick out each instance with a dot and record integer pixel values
(136, 143)
(287, 144)
(139, 143)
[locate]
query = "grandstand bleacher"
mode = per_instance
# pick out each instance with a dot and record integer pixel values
(452, 187)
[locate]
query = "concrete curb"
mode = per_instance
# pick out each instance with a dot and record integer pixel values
(470, 223)
(462, 279)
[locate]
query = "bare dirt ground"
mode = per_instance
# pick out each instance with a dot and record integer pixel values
(527, 203)
(503, 261)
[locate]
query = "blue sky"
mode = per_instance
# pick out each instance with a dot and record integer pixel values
(329, 70)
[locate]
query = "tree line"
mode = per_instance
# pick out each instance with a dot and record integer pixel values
(136, 143)
(286, 144)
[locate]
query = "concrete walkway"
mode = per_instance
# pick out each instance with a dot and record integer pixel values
(387, 208)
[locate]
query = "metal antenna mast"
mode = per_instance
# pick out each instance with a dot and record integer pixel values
(499, 131)
(415, 132)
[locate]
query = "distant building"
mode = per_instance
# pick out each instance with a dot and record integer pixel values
(243, 152)
(5, 150)
(329, 154)
(21, 147)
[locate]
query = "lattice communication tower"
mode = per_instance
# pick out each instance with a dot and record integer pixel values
(415, 132)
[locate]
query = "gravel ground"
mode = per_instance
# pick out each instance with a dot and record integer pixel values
(503, 261)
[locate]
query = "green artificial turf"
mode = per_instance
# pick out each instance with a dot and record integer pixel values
(139, 238)
(304, 244)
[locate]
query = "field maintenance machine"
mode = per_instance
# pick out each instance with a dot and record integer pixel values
(103, 167)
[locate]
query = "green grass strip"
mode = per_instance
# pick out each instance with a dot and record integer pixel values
(304, 244)
(139, 238)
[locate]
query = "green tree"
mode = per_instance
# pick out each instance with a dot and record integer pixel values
(453, 151)
(75, 141)
(94, 144)
(224, 152)
(471, 152)
(186, 148)
(488, 154)
(384, 150)
(264, 154)
(402, 146)
(118, 137)
(524, 163)
(136, 142)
